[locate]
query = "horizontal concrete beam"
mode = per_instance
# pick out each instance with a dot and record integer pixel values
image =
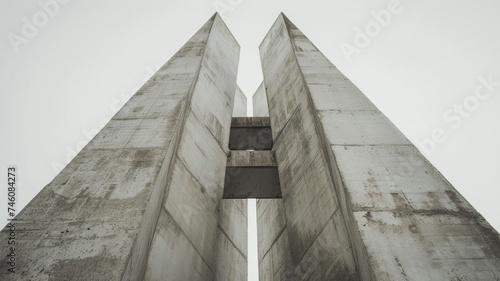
(242, 158)
(252, 182)
(252, 174)
(239, 122)
(250, 133)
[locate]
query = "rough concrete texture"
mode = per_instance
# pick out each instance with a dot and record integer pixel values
(143, 200)
(251, 170)
(193, 202)
(318, 250)
(352, 209)
(242, 122)
(252, 174)
(231, 246)
(250, 133)
(275, 262)
(138, 201)
(259, 99)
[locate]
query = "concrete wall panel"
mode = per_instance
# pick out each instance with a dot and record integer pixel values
(259, 99)
(195, 189)
(233, 221)
(138, 201)
(403, 219)
(240, 104)
(309, 197)
(275, 261)
(231, 264)
(172, 256)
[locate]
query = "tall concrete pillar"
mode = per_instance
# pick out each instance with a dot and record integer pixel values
(231, 246)
(273, 248)
(142, 199)
(352, 209)
(318, 239)
(184, 242)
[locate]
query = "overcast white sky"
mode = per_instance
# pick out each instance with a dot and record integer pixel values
(423, 68)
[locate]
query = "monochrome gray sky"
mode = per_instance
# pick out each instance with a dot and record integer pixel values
(430, 66)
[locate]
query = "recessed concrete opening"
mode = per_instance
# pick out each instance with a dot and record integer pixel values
(251, 173)
(250, 133)
(251, 170)
(252, 182)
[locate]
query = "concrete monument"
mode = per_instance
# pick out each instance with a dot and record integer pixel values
(160, 193)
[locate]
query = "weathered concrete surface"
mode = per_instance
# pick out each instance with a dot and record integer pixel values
(260, 108)
(243, 122)
(347, 190)
(250, 133)
(143, 200)
(231, 246)
(193, 201)
(98, 214)
(251, 170)
(318, 240)
(242, 158)
(138, 202)
(275, 263)
(252, 174)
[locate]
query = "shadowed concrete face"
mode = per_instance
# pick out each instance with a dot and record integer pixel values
(250, 133)
(252, 174)
(251, 170)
